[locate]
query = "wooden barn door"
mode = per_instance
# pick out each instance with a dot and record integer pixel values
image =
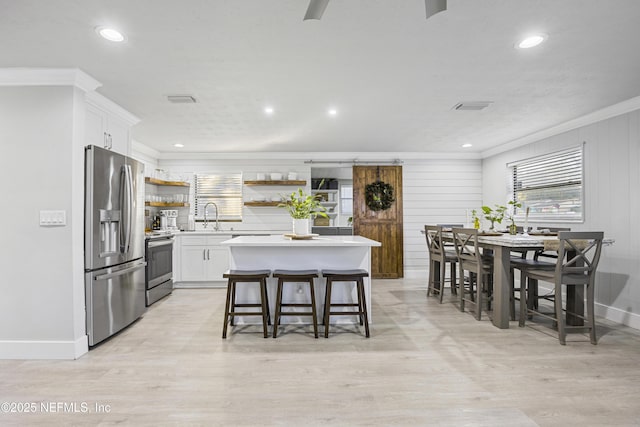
(385, 226)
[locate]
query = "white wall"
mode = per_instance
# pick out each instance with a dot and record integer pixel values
(436, 192)
(41, 167)
(612, 201)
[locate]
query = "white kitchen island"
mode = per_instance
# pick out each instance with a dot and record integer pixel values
(322, 252)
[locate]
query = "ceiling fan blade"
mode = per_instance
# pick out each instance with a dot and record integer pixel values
(316, 9)
(434, 6)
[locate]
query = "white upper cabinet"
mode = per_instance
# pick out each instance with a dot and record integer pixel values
(107, 124)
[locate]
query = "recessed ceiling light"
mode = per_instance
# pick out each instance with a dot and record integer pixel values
(178, 145)
(332, 112)
(110, 34)
(268, 110)
(467, 145)
(531, 41)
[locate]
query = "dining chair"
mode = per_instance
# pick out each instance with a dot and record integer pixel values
(578, 257)
(541, 260)
(480, 267)
(439, 256)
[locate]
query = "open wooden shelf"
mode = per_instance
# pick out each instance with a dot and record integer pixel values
(265, 203)
(166, 205)
(281, 182)
(155, 181)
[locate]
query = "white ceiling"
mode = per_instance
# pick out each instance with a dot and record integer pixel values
(393, 75)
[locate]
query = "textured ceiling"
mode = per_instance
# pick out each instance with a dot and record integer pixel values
(393, 75)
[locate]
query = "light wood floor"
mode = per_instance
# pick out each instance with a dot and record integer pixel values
(425, 364)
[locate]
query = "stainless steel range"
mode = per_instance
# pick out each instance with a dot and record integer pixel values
(159, 270)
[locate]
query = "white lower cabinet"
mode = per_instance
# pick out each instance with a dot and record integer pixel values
(201, 259)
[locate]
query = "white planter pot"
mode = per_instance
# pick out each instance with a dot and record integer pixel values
(301, 226)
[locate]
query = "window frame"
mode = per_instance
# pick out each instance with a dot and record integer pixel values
(549, 218)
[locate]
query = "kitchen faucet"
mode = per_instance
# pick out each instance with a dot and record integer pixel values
(206, 220)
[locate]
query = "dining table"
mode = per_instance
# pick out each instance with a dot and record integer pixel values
(502, 244)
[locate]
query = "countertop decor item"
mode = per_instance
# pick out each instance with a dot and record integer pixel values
(302, 207)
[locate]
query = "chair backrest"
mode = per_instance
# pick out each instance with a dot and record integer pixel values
(450, 225)
(558, 228)
(466, 243)
(552, 255)
(433, 233)
(580, 252)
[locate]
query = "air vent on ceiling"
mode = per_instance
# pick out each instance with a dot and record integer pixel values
(472, 105)
(181, 99)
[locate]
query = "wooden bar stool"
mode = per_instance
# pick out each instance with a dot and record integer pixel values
(346, 276)
(295, 276)
(246, 276)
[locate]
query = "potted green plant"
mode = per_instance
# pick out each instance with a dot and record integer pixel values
(302, 207)
(494, 215)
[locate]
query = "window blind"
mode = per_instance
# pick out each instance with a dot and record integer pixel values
(551, 186)
(225, 190)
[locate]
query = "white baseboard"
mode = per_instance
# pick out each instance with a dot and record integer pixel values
(619, 316)
(65, 350)
(200, 285)
(613, 314)
(416, 273)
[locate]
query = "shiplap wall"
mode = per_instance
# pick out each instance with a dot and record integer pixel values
(612, 201)
(436, 192)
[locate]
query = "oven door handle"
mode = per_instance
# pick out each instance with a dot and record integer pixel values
(155, 244)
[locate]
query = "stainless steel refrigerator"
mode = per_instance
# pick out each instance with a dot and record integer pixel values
(113, 242)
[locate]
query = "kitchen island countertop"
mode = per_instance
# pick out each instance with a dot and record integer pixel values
(281, 240)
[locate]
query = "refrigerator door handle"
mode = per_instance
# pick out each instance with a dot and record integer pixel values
(120, 272)
(127, 208)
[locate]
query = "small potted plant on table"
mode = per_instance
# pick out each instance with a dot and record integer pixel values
(494, 215)
(513, 229)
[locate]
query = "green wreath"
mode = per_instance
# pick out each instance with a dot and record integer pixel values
(379, 196)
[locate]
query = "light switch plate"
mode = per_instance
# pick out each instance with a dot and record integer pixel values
(53, 218)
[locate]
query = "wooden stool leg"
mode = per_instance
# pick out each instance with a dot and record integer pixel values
(591, 312)
(443, 269)
(461, 287)
(479, 286)
(278, 312)
(313, 308)
(266, 299)
(233, 300)
(453, 278)
(431, 278)
(360, 284)
(524, 300)
(560, 315)
(327, 307)
(226, 310)
(265, 309)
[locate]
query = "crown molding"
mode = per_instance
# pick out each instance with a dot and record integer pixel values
(111, 107)
(597, 116)
(48, 77)
(319, 157)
